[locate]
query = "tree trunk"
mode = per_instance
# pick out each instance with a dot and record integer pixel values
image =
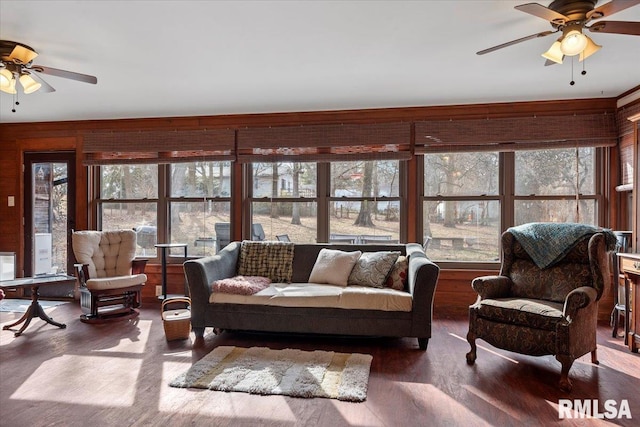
(274, 190)
(366, 207)
(295, 209)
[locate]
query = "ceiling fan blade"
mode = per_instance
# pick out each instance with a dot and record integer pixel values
(616, 27)
(543, 12)
(46, 87)
(610, 8)
(65, 74)
(22, 54)
(512, 42)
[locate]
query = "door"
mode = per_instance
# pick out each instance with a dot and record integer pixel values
(49, 183)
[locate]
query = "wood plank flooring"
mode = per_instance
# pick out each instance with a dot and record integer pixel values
(117, 374)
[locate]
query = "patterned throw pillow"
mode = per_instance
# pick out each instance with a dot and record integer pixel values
(332, 267)
(373, 268)
(398, 275)
(267, 259)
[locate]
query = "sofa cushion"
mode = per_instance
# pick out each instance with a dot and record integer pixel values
(322, 296)
(373, 268)
(267, 259)
(397, 278)
(333, 267)
(534, 313)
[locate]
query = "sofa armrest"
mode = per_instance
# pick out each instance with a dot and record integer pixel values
(578, 299)
(422, 279)
(201, 272)
(492, 286)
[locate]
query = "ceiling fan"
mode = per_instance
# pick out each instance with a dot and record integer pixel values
(570, 18)
(16, 65)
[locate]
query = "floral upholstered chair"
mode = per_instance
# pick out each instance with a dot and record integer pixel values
(544, 302)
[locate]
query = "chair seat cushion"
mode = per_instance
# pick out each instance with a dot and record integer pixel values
(534, 313)
(117, 282)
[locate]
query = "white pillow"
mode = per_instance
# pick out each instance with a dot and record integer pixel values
(333, 267)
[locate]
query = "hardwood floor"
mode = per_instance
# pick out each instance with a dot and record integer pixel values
(117, 374)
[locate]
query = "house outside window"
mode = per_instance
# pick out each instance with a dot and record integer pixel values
(284, 201)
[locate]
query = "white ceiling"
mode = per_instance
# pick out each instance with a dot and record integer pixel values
(185, 58)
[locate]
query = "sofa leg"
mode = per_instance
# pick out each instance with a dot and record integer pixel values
(422, 343)
(565, 382)
(594, 357)
(198, 331)
(471, 356)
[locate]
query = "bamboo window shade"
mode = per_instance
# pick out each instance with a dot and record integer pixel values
(518, 133)
(331, 142)
(101, 148)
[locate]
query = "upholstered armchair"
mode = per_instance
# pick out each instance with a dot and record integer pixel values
(110, 277)
(545, 304)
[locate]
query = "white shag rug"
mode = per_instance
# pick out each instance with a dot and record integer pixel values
(297, 373)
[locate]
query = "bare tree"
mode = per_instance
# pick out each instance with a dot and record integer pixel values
(366, 206)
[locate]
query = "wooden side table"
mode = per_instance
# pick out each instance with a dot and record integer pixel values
(630, 266)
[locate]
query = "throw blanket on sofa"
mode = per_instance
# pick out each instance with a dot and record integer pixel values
(548, 242)
(241, 285)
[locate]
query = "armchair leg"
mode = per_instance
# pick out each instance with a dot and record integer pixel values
(565, 382)
(471, 356)
(594, 357)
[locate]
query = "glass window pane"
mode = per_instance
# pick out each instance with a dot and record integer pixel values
(365, 179)
(284, 179)
(129, 182)
(462, 230)
(201, 179)
(193, 223)
(555, 211)
(364, 222)
(555, 172)
(138, 216)
(297, 220)
(461, 174)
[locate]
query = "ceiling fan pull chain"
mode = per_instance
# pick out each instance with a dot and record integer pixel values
(572, 82)
(584, 72)
(15, 102)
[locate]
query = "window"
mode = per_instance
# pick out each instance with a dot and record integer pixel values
(467, 201)
(196, 197)
(365, 201)
(199, 198)
(556, 185)
(129, 199)
(290, 208)
(461, 206)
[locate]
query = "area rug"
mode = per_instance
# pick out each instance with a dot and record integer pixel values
(21, 305)
(289, 372)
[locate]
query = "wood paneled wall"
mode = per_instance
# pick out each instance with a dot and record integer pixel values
(454, 290)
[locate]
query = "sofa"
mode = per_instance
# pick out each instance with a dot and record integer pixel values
(308, 308)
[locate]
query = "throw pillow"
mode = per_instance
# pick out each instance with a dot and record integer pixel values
(373, 268)
(241, 285)
(398, 275)
(267, 259)
(333, 267)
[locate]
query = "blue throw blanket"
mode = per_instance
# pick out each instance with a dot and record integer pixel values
(548, 242)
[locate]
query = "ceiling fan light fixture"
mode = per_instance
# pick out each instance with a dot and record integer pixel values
(7, 82)
(591, 48)
(573, 41)
(554, 53)
(29, 85)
